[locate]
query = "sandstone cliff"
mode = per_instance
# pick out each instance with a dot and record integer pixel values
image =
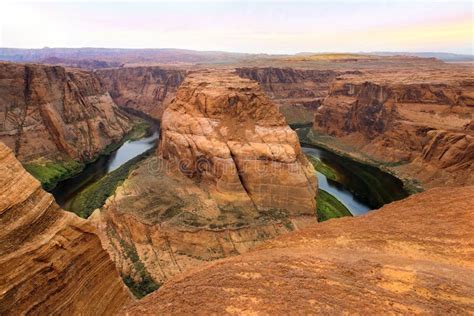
(147, 89)
(424, 122)
(230, 175)
(49, 112)
(223, 130)
(160, 223)
(297, 92)
(417, 262)
(51, 261)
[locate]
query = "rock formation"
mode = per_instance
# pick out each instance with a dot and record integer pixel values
(230, 175)
(297, 92)
(224, 131)
(147, 89)
(48, 111)
(409, 257)
(51, 261)
(422, 121)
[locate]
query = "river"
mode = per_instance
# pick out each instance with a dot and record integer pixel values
(67, 189)
(360, 187)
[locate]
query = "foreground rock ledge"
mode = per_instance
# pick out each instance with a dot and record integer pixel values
(51, 261)
(411, 256)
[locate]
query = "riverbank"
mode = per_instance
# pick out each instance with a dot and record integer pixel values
(95, 194)
(52, 172)
(330, 207)
(309, 138)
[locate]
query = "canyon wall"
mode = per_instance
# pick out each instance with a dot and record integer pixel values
(147, 89)
(51, 261)
(418, 261)
(297, 92)
(229, 175)
(423, 125)
(49, 112)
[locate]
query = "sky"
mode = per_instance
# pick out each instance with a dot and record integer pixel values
(275, 27)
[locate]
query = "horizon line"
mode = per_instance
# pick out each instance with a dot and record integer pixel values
(244, 53)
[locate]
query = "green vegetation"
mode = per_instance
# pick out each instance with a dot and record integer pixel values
(329, 207)
(412, 186)
(138, 131)
(94, 196)
(49, 173)
(146, 284)
(362, 166)
(325, 169)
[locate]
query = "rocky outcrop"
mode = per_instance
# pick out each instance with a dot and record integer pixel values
(230, 175)
(147, 89)
(403, 122)
(222, 130)
(297, 92)
(51, 261)
(160, 223)
(49, 112)
(417, 262)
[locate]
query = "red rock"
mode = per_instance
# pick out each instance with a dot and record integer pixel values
(51, 261)
(409, 257)
(224, 131)
(147, 89)
(393, 118)
(48, 111)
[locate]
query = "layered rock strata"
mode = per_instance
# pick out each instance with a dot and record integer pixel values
(297, 92)
(424, 123)
(146, 89)
(48, 111)
(229, 175)
(417, 262)
(223, 130)
(51, 261)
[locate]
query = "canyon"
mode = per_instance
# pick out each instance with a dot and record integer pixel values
(412, 117)
(51, 261)
(418, 123)
(228, 175)
(297, 92)
(55, 119)
(145, 89)
(222, 214)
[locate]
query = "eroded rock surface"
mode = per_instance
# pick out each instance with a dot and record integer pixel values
(147, 89)
(51, 261)
(160, 223)
(409, 257)
(48, 111)
(297, 92)
(229, 175)
(420, 121)
(224, 131)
